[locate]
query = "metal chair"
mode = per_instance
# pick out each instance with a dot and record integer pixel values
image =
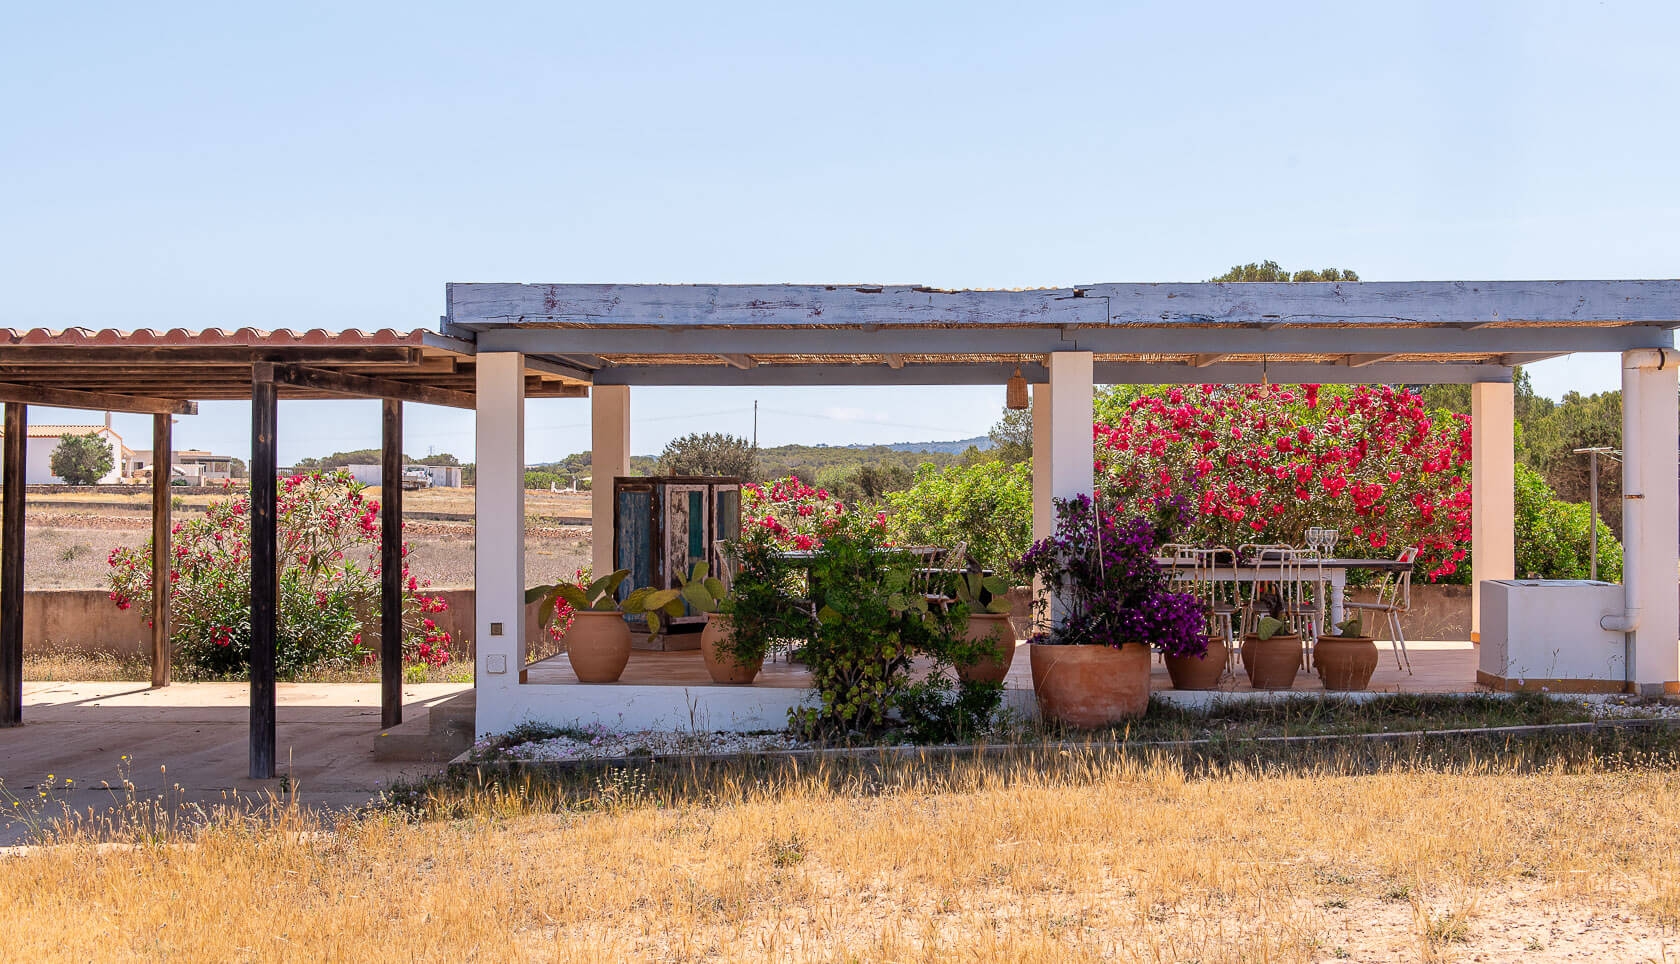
(1394, 599)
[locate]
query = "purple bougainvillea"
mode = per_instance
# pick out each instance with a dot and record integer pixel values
(1102, 570)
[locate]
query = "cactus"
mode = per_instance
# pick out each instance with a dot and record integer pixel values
(983, 594)
(599, 595)
(1268, 627)
(1351, 627)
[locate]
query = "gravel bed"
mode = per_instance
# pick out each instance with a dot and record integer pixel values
(609, 745)
(1630, 708)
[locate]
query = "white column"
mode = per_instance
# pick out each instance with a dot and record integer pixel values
(1044, 515)
(1493, 488)
(609, 456)
(1068, 462)
(1651, 517)
(499, 552)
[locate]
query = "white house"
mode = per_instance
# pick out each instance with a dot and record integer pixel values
(43, 441)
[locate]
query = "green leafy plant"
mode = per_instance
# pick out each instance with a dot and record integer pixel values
(1354, 626)
(1268, 627)
(601, 596)
(937, 711)
(870, 625)
(704, 592)
(982, 593)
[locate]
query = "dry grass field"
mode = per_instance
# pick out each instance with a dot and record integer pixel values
(1092, 859)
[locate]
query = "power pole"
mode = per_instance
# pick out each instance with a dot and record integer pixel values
(755, 424)
(1592, 475)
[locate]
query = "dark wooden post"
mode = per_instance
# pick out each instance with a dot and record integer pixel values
(11, 564)
(162, 559)
(264, 574)
(390, 564)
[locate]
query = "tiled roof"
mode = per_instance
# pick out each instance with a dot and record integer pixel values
(220, 338)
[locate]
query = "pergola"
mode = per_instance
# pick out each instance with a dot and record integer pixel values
(504, 343)
(165, 374)
(1064, 341)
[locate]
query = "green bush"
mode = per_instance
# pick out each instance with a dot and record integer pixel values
(987, 505)
(1553, 537)
(536, 479)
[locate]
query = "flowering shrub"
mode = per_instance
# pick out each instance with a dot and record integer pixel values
(1102, 570)
(792, 514)
(1261, 463)
(328, 549)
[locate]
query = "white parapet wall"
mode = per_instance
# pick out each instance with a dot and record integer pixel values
(1544, 634)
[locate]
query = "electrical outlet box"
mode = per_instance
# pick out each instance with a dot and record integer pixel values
(495, 663)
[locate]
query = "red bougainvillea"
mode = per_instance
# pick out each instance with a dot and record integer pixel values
(792, 514)
(1261, 463)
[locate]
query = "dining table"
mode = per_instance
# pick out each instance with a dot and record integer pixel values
(1334, 572)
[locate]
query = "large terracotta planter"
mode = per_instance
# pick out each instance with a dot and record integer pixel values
(1345, 662)
(722, 666)
(598, 646)
(1272, 663)
(996, 627)
(1199, 672)
(1091, 686)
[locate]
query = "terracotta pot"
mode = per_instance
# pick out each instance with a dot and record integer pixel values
(1091, 686)
(1272, 663)
(1199, 672)
(598, 646)
(722, 666)
(1345, 662)
(984, 626)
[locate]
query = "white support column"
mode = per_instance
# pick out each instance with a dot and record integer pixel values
(609, 457)
(499, 553)
(1651, 518)
(1493, 487)
(1068, 463)
(1044, 515)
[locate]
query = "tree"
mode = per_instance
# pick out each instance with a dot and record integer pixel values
(710, 453)
(81, 459)
(1272, 271)
(1012, 436)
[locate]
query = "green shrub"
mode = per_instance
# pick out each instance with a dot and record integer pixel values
(1553, 537)
(987, 506)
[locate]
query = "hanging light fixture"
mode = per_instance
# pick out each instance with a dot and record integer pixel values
(1015, 395)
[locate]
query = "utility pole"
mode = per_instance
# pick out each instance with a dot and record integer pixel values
(1592, 474)
(755, 424)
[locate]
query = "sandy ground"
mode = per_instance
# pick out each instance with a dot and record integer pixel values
(67, 548)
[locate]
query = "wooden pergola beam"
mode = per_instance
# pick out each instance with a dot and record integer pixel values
(742, 362)
(11, 564)
(1203, 361)
(96, 401)
(1362, 361)
(363, 386)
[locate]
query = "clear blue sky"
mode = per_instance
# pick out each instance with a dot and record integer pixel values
(288, 166)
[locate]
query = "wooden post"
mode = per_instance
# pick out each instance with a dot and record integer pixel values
(390, 564)
(11, 564)
(162, 558)
(264, 574)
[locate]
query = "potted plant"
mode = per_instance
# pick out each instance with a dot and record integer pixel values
(1347, 660)
(727, 659)
(989, 638)
(1110, 606)
(1199, 670)
(598, 642)
(1272, 654)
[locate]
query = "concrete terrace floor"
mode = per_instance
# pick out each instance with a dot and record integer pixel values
(190, 743)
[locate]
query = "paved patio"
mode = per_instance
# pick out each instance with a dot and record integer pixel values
(190, 741)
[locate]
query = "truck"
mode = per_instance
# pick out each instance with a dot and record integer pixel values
(416, 477)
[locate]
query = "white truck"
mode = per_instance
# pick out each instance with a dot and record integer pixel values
(415, 477)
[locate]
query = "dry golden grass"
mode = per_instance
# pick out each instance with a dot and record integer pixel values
(1106, 858)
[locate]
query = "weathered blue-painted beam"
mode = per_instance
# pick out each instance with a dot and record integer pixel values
(1363, 303)
(1134, 373)
(1029, 341)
